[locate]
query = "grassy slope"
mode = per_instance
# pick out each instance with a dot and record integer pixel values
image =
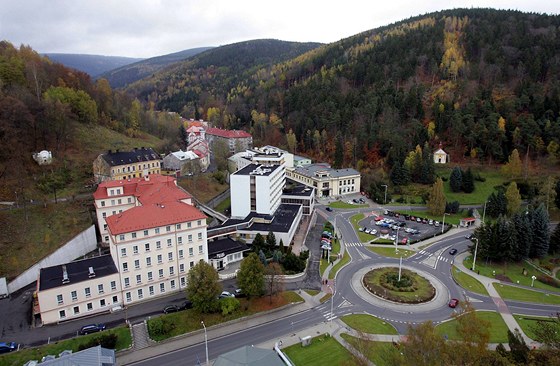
(368, 324)
(498, 328)
(323, 350)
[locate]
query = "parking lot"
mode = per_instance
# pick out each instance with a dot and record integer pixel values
(408, 228)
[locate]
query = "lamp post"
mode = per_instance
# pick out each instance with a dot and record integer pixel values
(332, 297)
(443, 224)
(533, 278)
(385, 199)
(205, 342)
(397, 240)
(484, 212)
(475, 250)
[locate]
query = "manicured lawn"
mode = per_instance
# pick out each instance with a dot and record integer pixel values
(514, 271)
(341, 204)
(325, 297)
(189, 320)
(527, 322)
(124, 341)
(390, 252)
(374, 351)
(312, 292)
(345, 259)
(419, 287)
(468, 282)
(368, 324)
(222, 206)
(498, 328)
(323, 350)
(521, 294)
(482, 190)
(364, 238)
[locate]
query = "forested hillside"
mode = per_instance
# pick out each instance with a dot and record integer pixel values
(94, 65)
(479, 81)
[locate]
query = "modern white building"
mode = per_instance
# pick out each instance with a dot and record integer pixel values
(256, 188)
(326, 180)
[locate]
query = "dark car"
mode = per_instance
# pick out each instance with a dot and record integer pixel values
(238, 293)
(328, 208)
(186, 305)
(6, 347)
(170, 309)
(453, 303)
(92, 328)
(453, 251)
(469, 236)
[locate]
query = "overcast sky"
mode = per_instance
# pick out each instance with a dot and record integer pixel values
(147, 28)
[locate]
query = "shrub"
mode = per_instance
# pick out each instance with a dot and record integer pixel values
(104, 340)
(549, 280)
(229, 305)
(160, 326)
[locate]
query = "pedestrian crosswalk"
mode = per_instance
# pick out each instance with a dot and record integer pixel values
(354, 244)
(445, 259)
(327, 314)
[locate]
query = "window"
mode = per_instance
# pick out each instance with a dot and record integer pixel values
(183, 282)
(150, 276)
(181, 253)
(151, 290)
(190, 238)
(191, 264)
(172, 283)
(138, 279)
(129, 199)
(199, 236)
(171, 271)
(62, 314)
(170, 256)
(126, 282)
(100, 288)
(158, 244)
(87, 290)
(178, 226)
(160, 272)
(59, 299)
(102, 203)
(159, 258)
(112, 192)
(106, 239)
(145, 232)
(121, 237)
(102, 303)
(133, 235)
(168, 228)
(162, 287)
(189, 225)
(115, 299)
(125, 266)
(199, 222)
(191, 252)
(119, 201)
(112, 202)
(113, 285)
(137, 263)
(182, 267)
(89, 306)
(128, 297)
(104, 214)
(200, 249)
(148, 261)
(147, 247)
(74, 295)
(123, 252)
(135, 248)
(76, 310)
(157, 230)
(169, 242)
(179, 240)
(140, 293)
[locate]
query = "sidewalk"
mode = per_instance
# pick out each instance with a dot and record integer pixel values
(496, 298)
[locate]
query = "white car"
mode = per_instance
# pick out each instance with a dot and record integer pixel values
(225, 294)
(361, 229)
(373, 232)
(367, 231)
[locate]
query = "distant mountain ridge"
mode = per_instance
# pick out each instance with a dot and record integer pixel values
(94, 65)
(126, 74)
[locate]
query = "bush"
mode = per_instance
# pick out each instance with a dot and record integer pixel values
(229, 305)
(548, 280)
(160, 326)
(105, 341)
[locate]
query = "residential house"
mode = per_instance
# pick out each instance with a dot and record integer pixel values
(182, 162)
(235, 140)
(118, 165)
(202, 150)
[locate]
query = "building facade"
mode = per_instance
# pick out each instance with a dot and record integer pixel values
(326, 180)
(235, 140)
(119, 165)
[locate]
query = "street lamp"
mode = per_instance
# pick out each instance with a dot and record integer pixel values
(205, 342)
(397, 240)
(385, 200)
(484, 212)
(475, 250)
(533, 278)
(332, 297)
(443, 224)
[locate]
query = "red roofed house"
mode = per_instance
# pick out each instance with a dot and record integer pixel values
(236, 140)
(201, 149)
(194, 133)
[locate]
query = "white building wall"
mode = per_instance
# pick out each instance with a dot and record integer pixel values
(263, 195)
(240, 195)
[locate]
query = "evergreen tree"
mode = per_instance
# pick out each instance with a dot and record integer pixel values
(456, 180)
(436, 200)
(554, 245)
(271, 241)
(262, 257)
(523, 235)
(281, 247)
(504, 247)
(468, 181)
(497, 204)
(399, 175)
(338, 152)
(428, 168)
(513, 198)
(250, 277)
(258, 243)
(557, 190)
(519, 350)
(541, 235)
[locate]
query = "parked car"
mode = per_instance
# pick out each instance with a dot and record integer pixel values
(436, 223)
(361, 200)
(404, 241)
(91, 328)
(238, 293)
(424, 221)
(453, 251)
(453, 303)
(431, 222)
(418, 219)
(378, 218)
(6, 347)
(186, 305)
(361, 228)
(328, 208)
(170, 309)
(225, 294)
(367, 230)
(373, 231)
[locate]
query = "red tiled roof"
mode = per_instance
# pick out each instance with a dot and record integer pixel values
(156, 189)
(230, 134)
(152, 215)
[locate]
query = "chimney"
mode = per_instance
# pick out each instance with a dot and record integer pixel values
(65, 278)
(91, 273)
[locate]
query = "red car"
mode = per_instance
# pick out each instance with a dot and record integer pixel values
(404, 241)
(378, 218)
(453, 303)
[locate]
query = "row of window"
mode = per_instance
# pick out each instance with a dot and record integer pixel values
(87, 292)
(161, 274)
(89, 307)
(158, 230)
(147, 247)
(160, 258)
(132, 168)
(118, 201)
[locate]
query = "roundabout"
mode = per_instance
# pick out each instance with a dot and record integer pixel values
(401, 286)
